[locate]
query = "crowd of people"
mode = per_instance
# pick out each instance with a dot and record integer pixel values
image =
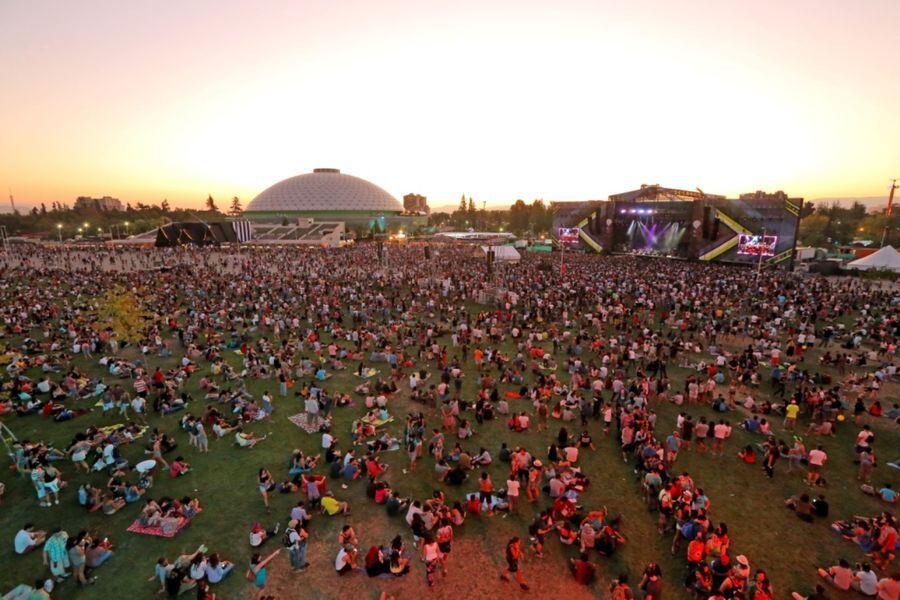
(575, 355)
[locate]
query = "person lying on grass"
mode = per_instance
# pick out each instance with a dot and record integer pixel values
(246, 439)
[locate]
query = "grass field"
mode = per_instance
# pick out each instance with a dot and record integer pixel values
(771, 536)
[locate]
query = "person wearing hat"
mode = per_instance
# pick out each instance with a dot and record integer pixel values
(737, 577)
(742, 566)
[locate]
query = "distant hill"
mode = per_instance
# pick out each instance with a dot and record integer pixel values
(872, 203)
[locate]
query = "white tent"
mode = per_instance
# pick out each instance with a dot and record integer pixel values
(885, 258)
(503, 253)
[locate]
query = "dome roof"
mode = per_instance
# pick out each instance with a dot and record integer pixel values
(324, 190)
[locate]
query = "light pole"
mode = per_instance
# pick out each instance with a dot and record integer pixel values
(59, 231)
(759, 262)
(126, 228)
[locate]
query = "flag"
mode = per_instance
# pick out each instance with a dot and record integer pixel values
(243, 230)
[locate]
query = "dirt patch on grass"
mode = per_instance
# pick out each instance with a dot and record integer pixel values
(472, 572)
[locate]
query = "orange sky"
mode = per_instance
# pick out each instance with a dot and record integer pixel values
(565, 100)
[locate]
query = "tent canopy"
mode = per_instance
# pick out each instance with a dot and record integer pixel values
(502, 253)
(886, 258)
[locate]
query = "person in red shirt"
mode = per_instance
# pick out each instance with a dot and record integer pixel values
(582, 569)
(696, 550)
(485, 490)
(179, 467)
(513, 555)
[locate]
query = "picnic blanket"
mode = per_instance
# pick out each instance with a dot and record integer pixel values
(108, 429)
(377, 422)
(370, 372)
(301, 420)
(136, 527)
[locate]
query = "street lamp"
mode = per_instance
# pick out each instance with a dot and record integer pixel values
(59, 231)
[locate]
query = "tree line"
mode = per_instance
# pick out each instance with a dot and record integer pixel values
(521, 218)
(91, 220)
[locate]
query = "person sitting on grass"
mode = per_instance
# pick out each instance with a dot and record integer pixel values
(179, 467)
(221, 427)
(27, 539)
(259, 535)
(345, 561)
(111, 505)
(802, 506)
(98, 552)
(839, 575)
(217, 569)
(748, 455)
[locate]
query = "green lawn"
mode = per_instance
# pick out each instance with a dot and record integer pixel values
(771, 536)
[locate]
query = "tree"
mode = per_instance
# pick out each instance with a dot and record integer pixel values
(471, 208)
(211, 204)
(120, 310)
(541, 217)
(165, 205)
(519, 217)
(438, 219)
(462, 203)
(236, 209)
(43, 208)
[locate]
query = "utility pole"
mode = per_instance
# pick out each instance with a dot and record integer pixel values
(889, 212)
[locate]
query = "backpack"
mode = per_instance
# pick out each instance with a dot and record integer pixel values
(689, 530)
(286, 538)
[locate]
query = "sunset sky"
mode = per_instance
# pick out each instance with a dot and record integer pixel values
(564, 100)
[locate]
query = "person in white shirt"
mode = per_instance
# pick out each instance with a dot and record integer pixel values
(817, 458)
(512, 492)
(27, 539)
(865, 581)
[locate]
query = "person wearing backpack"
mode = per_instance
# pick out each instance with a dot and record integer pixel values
(687, 531)
(295, 540)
